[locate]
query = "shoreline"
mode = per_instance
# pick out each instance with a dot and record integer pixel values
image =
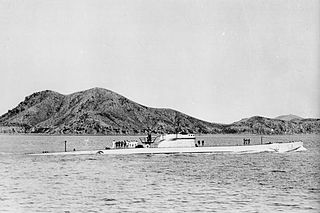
(144, 135)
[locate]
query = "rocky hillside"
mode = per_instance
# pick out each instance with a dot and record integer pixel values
(101, 111)
(95, 111)
(262, 125)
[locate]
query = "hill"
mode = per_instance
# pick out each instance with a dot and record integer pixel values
(101, 111)
(95, 111)
(263, 125)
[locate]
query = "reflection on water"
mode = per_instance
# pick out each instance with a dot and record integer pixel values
(264, 182)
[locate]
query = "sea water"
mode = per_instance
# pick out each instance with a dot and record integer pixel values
(262, 182)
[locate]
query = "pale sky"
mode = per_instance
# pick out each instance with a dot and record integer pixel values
(216, 60)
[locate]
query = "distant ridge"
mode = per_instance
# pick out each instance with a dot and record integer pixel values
(101, 111)
(288, 117)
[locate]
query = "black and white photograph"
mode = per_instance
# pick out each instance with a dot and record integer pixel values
(140, 106)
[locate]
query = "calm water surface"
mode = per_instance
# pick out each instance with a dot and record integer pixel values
(263, 182)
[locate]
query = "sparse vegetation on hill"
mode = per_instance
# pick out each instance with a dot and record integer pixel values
(101, 111)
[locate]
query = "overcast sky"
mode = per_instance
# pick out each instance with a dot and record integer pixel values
(217, 60)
